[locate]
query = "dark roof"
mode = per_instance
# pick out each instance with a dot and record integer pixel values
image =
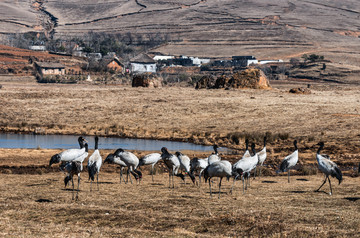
(50, 65)
(142, 58)
(107, 60)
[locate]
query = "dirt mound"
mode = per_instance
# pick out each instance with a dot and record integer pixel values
(146, 80)
(249, 78)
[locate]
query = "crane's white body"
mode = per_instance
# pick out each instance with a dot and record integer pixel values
(131, 161)
(328, 167)
(199, 165)
(150, 159)
(214, 157)
(185, 165)
(94, 164)
(262, 156)
(219, 169)
(73, 154)
(290, 161)
(173, 164)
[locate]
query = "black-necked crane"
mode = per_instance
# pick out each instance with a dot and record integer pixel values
(150, 159)
(94, 164)
(290, 161)
(173, 165)
(185, 165)
(70, 154)
(262, 156)
(198, 165)
(113, 159)
(218, 169)
(131, 162)
(214, 157)
(72, 168)
(245, 165)
(328, 167)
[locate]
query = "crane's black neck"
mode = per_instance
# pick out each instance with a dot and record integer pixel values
(96, 142)
(253, 148)
(81, 142)
(246, 144)
(320, 148)
(295, 144)
(265, 141)
(215, 149)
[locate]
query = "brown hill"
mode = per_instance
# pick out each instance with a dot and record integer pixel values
(276, 29)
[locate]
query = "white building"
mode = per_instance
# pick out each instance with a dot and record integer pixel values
(163, 57)
(270, 61)
(38, 47)
(143, 64)
(198, 61)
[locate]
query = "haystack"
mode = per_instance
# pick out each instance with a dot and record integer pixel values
(206, 81)
(147, 80)
(249, 78)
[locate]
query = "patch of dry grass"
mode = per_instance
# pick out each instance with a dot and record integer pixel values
(271, 207)
(186, 114)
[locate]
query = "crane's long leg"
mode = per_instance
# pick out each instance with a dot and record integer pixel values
(128, 175)
(210, 187)
(260, 168)
(200, 177)
(73, 187)
(121, 174)
(169, 179)
(317, 190)
(152, 172)
(243, 180)
(330, 185)
(90, 185)
(233, 183)
(220, 186)
(288, 175)
(97, 180)
(77, 192)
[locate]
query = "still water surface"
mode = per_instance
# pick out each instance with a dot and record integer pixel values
(29, 141)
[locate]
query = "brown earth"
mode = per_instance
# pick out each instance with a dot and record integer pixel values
(34, 202)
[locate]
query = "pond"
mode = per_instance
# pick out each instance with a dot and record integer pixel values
(30, 141)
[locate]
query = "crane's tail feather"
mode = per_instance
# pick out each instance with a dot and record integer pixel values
(66, 180)
(92, 171)
(337, 173)
(284, 165)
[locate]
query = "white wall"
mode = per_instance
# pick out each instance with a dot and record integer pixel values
(163, 57)
(143, 68)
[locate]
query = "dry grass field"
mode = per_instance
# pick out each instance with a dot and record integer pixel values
(34, 202)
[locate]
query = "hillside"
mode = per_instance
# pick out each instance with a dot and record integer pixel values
(20, 61)
(209, 28)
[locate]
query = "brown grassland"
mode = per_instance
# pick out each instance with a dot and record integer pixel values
(270, 208)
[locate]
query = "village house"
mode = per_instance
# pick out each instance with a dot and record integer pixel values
(143, 64)
(49, 68)
(113, 63)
